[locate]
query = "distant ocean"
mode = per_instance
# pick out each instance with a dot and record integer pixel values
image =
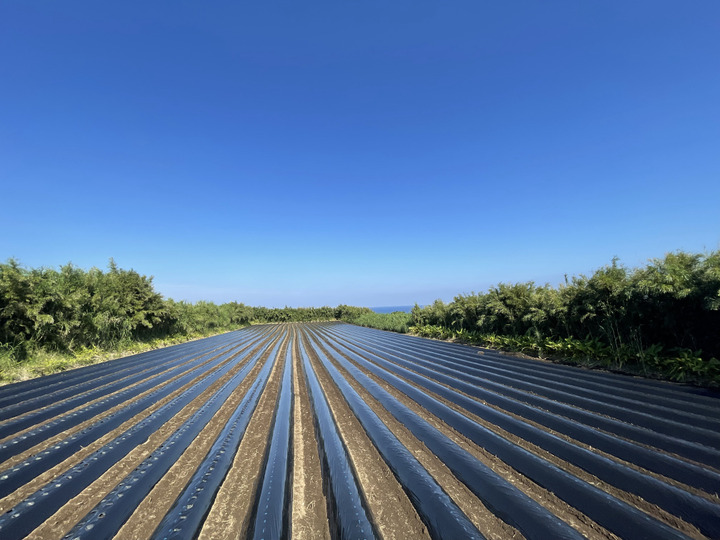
(390, 309)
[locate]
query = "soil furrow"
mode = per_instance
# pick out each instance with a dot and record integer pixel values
(482, 518)
(232, 510)
(323, 420)
(75, 509)
(631, 499)
(309, 519)
(392, 512)
(560, 508)
(159, 501)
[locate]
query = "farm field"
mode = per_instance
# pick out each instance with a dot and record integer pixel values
(329, 430)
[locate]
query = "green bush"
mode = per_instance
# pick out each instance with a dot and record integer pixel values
(397, 321)
(71, 308)
(618, 316)
(682, 365)
(51, 320)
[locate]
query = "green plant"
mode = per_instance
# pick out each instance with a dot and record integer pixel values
(397, 321)
(686, 365)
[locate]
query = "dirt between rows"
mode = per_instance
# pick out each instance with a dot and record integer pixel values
(38, 482)
(557, 506)
(572, 516)
(713, 497)
(614, 435)
(483, 519)
(231, 511)
(633, 500)
(309, 516)
(390, 509)
(68, 414)
(159, 501)
(74, 510)
(71, 513)
(47, 443)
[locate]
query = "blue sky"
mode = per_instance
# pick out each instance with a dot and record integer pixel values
(369, 153)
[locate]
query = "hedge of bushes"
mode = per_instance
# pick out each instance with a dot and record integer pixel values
(662, 318)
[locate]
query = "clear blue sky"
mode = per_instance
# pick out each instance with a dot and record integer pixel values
(370, 153)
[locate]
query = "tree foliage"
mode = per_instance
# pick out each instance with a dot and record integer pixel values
(397, 321)
(666, 313)
(69, 309)
(671, 304)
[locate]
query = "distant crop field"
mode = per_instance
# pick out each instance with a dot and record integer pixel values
(330, 430)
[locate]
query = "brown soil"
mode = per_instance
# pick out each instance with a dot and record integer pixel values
(231, 512)
(490, 525)
(570, 515)
(38, 482)
(155, 506)
(574, 517)
(72, 512)
(391, 510)
(389, 507)
(309, 506)
(47, 443)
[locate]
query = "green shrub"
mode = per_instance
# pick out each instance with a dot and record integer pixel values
(397, 321)
(618, 317)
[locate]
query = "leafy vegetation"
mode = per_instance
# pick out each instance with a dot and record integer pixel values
(396, 321)
(52, 320)
(71, 308)
(661, 319)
